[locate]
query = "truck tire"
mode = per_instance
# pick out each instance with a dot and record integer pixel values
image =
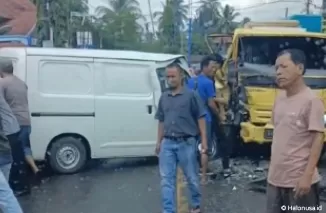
(214, 149)
(213, 152)
(67, 155)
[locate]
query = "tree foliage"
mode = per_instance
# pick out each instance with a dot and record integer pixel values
(121, 24)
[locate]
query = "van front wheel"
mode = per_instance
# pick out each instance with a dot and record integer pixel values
(67, 155)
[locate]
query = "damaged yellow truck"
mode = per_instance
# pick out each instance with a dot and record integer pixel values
(249, 73)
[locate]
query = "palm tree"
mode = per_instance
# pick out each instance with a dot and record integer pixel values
(171, 24)
(177, 9)
(244, 21)
(227, 19)
(118, 23)
(209, 9)
(61, 22)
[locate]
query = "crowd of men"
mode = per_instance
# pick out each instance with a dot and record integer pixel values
(190, 111)
(15, 150)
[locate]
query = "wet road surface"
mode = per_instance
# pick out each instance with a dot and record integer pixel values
(125, 186)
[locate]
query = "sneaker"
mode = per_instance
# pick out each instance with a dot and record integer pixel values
(22, 193)
(227, 173)
(195, 210)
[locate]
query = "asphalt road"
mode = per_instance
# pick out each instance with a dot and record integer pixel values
(125, 186)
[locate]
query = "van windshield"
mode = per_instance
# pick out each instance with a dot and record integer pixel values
(264, 50)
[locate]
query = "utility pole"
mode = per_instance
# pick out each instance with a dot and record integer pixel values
(175, 24)
(152, 19)
(189, 43)
(307, 6)
(286, 12)
(49, 29)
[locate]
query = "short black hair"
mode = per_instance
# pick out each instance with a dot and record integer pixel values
(206, 60)
(297, 56)
(6, 66)
(219, 59)
(174, 65)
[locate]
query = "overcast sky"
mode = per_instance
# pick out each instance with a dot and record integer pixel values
(247, 8)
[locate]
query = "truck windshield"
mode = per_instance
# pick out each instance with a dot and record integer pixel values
(264, 50)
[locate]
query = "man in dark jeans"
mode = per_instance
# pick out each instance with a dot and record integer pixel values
(14, 92)
(219, 127)
(8, 201)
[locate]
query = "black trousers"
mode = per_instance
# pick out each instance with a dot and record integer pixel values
(224, 142)
(18, 179)
(282, 200)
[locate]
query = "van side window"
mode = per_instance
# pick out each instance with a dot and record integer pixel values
(70, 78)
(126, 79)
(161, 75)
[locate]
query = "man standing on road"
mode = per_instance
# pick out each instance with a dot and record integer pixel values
(219, 125)
(203, 83)
(11, 129)
(181, 116)
(14, 91)
(8, 201)
(298, 139)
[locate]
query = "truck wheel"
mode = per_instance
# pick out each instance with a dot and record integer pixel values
(214, 151)
(67, 155)
(213, 154)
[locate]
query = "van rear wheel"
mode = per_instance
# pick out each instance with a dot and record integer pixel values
(67, 155)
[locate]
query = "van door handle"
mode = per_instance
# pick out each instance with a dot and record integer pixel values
(149, 109)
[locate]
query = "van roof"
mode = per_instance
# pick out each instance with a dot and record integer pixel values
(112, 54)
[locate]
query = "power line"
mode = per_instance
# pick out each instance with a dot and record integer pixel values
(268, 3)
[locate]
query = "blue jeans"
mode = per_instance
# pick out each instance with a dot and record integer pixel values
(8, 201)
(23, 137)
(184, 154)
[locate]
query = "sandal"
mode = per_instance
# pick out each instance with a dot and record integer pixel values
(196, 210)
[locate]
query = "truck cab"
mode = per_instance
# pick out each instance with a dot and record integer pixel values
(250, 73)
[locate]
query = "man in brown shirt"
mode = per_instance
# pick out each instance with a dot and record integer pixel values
(14, 91)
(298, 139)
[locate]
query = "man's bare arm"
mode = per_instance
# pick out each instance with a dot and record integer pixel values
(212, 105)
(316, 128)
(200, 113)
(315, 152)
(202, 130)
(220, 100)
(160, 117)
(160, 132)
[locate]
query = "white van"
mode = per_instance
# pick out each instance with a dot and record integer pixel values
(91, 103)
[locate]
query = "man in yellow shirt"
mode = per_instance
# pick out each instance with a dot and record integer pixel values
(219, 126)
